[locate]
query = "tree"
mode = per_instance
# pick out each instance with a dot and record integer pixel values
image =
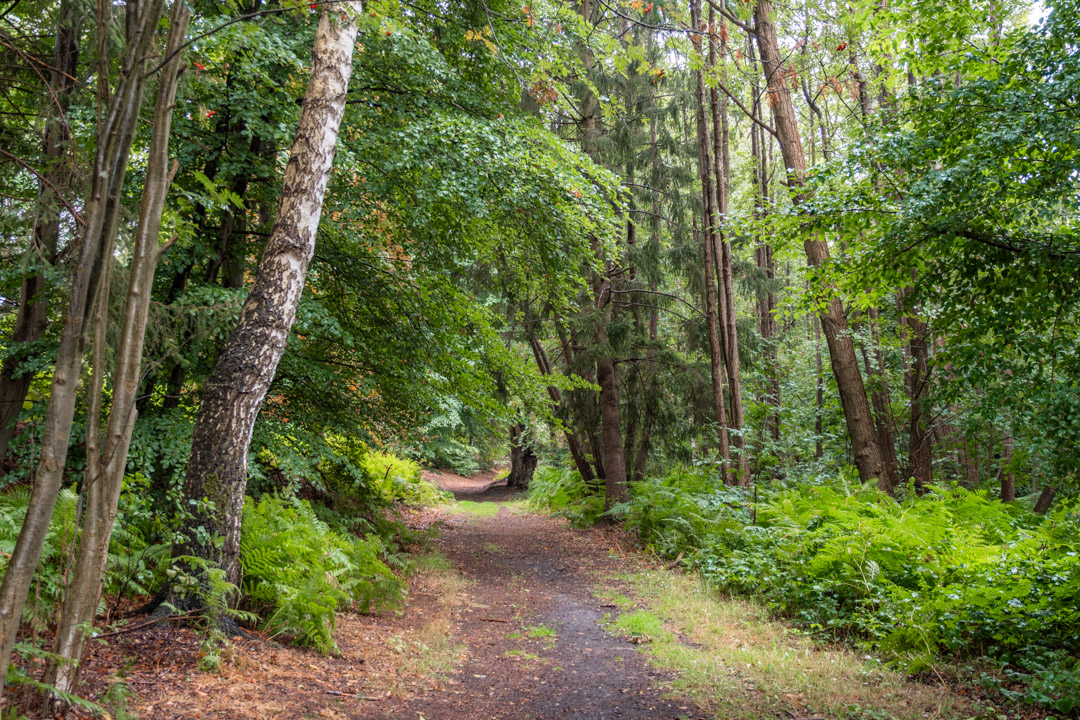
(115, 132)
(107, 464)
(217, 469)
(834, 323)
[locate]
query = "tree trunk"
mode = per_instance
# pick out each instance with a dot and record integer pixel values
(819, 394)
(845, 366)
(522, 458)
(577, 452)
(763, 258)
(920, 447)
(882, 405)
(724, 266)
(1008, 479)
(1046, 497)
(217, 468)
(32, 317)
(713, 305)
(611, 434)
(104, 484)
(115, 132)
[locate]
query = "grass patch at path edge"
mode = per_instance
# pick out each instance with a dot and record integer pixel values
(736, 662)
(468, 507)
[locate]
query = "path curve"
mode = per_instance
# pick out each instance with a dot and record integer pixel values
(533, 629)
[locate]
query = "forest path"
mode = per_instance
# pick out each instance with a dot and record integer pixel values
(533, 632)
(507, 618)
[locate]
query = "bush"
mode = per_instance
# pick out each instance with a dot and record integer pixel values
(298, 571)
(367, 479)
(951, 573)
(397, 479)
(562, 492)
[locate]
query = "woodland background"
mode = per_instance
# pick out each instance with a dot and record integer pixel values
(789, 289)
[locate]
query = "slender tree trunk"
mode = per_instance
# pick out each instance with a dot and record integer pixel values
(105, 480)
(921, 447)
(115, 133)
(713, 305)
(32, 317)
(577, 452)
(217, 468)
(882, 403)
(819, 394)
(845, 366)
(1008, 479)
(724, 268)
(763, 258)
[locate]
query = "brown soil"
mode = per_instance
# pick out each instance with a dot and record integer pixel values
(526, 641)
(532, 575)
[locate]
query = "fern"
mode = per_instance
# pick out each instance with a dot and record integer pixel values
(298, 572)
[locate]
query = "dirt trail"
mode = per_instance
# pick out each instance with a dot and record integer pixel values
(536, 647)
(512, 631)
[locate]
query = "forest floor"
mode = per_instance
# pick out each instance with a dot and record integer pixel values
(516, 615)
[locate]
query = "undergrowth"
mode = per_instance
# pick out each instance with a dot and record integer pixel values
(953, 574)
(298, 572)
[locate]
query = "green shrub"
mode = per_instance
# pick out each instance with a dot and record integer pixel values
(135, 566)
(398, 479)
(298, 571)
(562, 492)
(13, 504)
(953, 573)
(366, 479)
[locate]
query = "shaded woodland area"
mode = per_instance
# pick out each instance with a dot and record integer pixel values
(786, 290)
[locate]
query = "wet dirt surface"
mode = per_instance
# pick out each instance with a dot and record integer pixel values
(533, 630)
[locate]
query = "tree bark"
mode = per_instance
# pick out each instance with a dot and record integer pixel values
(724, 266)
(845, 366)
(819, 394)
(709, 250)
(882, 404)
(104, 483)
(217, 467)
(1046, 498)
(573, 444)
(116, 132)
(1008, 479)
(522, 458)
(32, 317)
(920, 450)
(763, 258)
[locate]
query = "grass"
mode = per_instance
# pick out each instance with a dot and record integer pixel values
(640, 626)
(468, 507)
(539, 631)
(732, 659)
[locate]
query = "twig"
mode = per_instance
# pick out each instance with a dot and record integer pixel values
(140, 626)
(493, 620)
(671, 565)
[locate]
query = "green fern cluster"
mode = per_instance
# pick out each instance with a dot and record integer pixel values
(298, 571)
(562, 492)
(135, 565)
(953, 573)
